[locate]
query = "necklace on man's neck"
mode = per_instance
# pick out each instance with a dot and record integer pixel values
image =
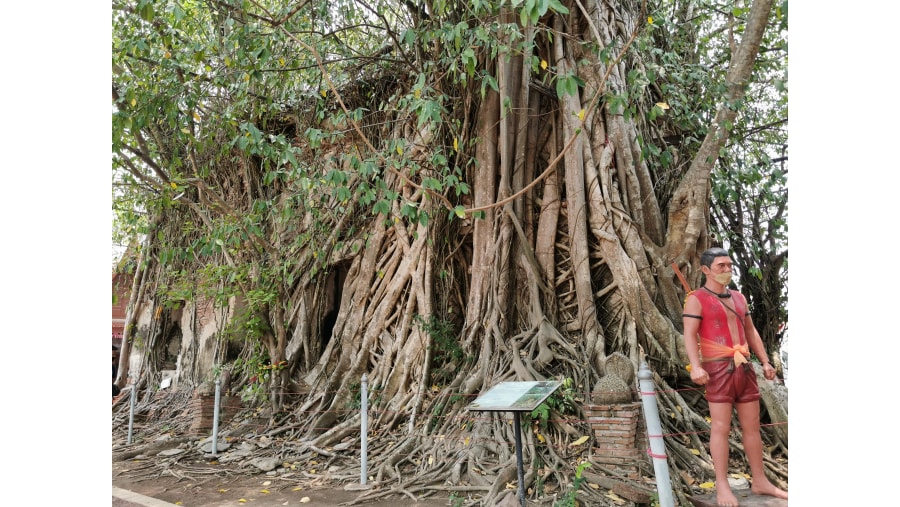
(725, 295)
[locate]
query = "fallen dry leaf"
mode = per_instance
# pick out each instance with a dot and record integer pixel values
(305, 499)
(708, 485)
(579, 441)
(615, 498)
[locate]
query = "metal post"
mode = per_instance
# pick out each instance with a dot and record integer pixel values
(215, 435)
(363, 428)
(654, 433)
(132, 396)
(519, 466)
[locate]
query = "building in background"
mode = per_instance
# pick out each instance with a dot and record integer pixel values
(121, 291)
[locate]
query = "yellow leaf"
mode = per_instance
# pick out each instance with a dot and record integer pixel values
(196, 116)
(246, 77)
(466, 441)
(695, 452)
(324, 93)
(417, 93)
(541, 438)
(594, 486)
(455, 144)
(615, 498)
(312, 471)
(264, 491)
(281, 61)
(544, 64)
(663, 105)
(399, 150)
(579, 441)
(708, 485)
(242, 500)
(223, 491)
(185, 130)
(178, 503)
(133, 102)
(298, 488)
(688, 368)
(650, 19)
(581, 115)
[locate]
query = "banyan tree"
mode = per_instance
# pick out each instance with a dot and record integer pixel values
(443, 196)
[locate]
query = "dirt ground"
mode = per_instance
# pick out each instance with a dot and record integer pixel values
(256, 491)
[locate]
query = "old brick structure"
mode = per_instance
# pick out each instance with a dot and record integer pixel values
(620, 436)
(121, 291)
(202, 409)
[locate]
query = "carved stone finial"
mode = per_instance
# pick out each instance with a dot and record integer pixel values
(619, 365)
(611, 389)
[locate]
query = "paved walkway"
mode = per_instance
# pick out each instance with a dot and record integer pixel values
(124, 498)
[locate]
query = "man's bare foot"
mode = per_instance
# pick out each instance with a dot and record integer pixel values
(724, 496)
(764, 487)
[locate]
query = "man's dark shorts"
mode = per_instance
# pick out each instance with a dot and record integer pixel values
(739, 386)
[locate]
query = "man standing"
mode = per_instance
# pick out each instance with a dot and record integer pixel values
(718, 337)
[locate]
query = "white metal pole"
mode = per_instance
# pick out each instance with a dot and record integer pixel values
(132, 396)
(215, 428)
(363, 428)
(654, 434)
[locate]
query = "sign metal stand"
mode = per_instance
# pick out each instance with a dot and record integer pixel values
(516, 397)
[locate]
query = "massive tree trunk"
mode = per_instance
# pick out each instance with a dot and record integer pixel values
(561, 254)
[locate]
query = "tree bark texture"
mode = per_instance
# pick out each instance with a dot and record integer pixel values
(563, 257)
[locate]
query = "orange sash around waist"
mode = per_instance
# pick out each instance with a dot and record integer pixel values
(712, 351)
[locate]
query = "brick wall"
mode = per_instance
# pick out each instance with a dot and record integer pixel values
(620, 436)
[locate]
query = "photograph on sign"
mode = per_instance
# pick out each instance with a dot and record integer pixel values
(515, 396)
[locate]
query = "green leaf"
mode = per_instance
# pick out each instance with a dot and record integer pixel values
(145, 11)
(558, 7)
(382, 207)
